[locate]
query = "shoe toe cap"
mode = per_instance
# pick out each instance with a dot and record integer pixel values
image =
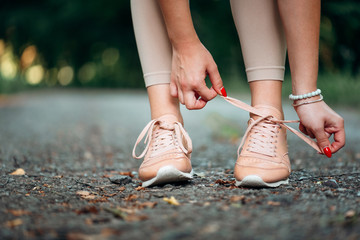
(147, 172)
(268, 171)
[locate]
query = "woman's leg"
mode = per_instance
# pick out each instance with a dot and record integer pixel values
(263, 160)
(167, 154)
(155, 56)
(264, 48)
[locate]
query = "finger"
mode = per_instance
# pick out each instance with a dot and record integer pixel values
(173, 89)
(310, 133)
(192, 102)
(179, 92)
(323, 141)
(302, 129)
(181, 96)
(216, 80)
(339, 140)
(197, 96)
(205, 93)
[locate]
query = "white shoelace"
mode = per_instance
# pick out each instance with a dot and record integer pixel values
(265, 127)
(166, 137)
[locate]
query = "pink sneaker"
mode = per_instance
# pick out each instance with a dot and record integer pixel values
(264, 160)
(167, 153)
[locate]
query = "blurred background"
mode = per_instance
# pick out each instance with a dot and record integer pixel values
(91, 44)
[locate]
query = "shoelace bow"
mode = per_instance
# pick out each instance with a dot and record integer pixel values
(167, 135)
(267, 125)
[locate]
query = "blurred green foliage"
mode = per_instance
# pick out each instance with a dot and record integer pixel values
(91, 42)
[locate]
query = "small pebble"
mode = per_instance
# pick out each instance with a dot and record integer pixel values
(158, 195)
(303, 178)
(331, 183)
(358, 194)
(119, 179)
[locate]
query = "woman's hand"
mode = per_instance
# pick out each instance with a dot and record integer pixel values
(319, 121)
(191, 63)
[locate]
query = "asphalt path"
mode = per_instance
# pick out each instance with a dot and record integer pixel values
(80, 180)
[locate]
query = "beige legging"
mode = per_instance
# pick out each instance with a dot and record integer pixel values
(259, 28)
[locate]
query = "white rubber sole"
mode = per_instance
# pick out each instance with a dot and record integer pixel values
(257, 182)
(168, 174)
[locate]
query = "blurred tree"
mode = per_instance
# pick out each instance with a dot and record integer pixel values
(95, 38)
(340, 34)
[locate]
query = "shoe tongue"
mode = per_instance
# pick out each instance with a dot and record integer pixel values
(268, 110)
(167, 121)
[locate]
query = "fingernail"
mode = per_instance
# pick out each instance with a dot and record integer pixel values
(223, 92)
(327, 152)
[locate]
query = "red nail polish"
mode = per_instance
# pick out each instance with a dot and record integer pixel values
(327, 152)
(223, 92)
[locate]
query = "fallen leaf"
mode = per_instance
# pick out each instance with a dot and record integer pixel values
(131, 197)
(90, 197)
(127, 174)
(350, 214)
(147, 205)
(117, 212)
(127, 210)
(121, 189)
(86, 195)
(18, 212)
(14, 223)
(59, 176)
(18, 171)
(272, 203)
(223, 182)
(171, 201)
(206, 204)
(96, 200)
(83, 193)
(237, 198)
(140, 188)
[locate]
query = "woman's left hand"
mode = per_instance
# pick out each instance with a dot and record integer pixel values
(319, 121)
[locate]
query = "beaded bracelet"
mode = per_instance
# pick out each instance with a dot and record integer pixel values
(306, 95)
(308, 102)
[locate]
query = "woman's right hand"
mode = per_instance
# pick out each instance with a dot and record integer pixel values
(191, 63)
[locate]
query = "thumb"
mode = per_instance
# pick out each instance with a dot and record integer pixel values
(323, 142)
(216, 80)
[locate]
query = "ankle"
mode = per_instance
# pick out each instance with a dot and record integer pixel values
(269, 109)
(155, 115)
